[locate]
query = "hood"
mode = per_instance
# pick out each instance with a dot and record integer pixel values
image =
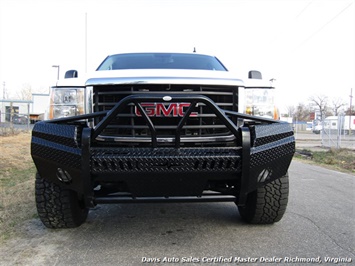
(160, 76)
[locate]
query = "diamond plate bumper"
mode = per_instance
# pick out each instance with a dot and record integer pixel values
(262, 152)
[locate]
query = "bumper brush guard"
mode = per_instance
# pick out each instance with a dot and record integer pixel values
(65, 152)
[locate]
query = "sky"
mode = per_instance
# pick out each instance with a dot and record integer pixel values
(307, 46)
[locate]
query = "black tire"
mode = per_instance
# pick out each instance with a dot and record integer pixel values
(58, 207)
(268, 204)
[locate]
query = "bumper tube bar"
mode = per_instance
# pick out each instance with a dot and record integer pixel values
(222, 198)
(137, 99)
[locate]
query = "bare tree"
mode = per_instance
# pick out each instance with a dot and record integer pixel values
(337, 104)
(291, 110)
(302, 112)
(25, 93)
(321, 103)
(347, 112)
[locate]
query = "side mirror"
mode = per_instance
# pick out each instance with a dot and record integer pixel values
(253, 74)
(71, 74)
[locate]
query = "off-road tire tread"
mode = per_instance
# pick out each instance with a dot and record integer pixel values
(58, 207)
(267, 204)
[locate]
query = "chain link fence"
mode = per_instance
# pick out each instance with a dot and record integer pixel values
(337, 132)
(14, 117)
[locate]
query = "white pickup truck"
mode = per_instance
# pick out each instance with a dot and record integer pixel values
(161, 127)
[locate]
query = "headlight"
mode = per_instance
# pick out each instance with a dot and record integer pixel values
(67, 102)
(260, 102)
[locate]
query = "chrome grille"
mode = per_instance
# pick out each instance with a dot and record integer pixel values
(128, 125)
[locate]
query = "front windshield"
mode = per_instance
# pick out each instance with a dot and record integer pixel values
(161, 61)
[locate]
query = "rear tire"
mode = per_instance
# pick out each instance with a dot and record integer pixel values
(268, 204)
(58, 207)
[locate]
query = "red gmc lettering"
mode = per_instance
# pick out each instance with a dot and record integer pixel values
(149, 108)
(172, 108)
(162, 110)
(181, 109)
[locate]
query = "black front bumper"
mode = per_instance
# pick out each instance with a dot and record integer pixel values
(65, 152)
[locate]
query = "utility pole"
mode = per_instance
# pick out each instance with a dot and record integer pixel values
(2, 104)
(86, 42)
(57, 66)
(4, 90)
(351, 102)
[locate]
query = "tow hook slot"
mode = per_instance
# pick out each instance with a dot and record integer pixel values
(264, 175)
(64, 176)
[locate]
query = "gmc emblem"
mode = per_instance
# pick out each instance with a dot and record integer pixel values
(163, 110)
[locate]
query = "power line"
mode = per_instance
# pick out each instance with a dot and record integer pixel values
(302, 11)
(290, 23)
(324, 25)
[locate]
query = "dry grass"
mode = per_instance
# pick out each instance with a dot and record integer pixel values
(15, 152)
(337, 159)
(341, 159)
(16, 183)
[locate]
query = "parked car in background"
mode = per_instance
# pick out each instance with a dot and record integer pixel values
(20, 119)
